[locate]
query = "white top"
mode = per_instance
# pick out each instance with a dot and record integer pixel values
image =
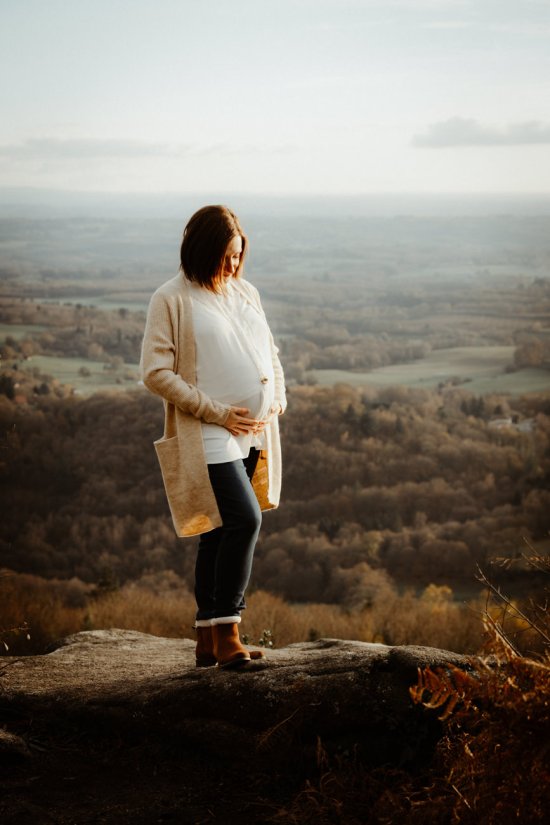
(233, 361)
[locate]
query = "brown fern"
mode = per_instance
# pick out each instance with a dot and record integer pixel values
(496, 749)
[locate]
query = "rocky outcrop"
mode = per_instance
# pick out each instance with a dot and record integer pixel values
(120, 691)
(336, 690)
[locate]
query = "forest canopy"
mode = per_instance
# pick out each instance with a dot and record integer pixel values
(414, 486)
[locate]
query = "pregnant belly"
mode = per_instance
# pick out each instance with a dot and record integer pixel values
(259, 404)
(220, 445)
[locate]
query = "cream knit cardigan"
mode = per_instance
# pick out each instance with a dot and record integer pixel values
(168, 369)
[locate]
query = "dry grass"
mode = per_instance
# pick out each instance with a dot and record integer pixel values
(134, 608)
(433, 619)
(290, 623)
(35, 612)
(163, 606)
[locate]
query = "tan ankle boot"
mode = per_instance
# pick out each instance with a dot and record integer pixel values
(204, 652)
(228, 649)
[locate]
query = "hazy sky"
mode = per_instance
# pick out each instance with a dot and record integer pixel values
(276, 96)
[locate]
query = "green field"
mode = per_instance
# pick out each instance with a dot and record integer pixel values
(133, 303)
(481, 370)
(67, 371)
(19, 331)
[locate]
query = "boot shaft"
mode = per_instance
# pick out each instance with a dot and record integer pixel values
(228, 649)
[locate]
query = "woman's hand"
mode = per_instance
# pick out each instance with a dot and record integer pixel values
(276, 409)
(238, 423)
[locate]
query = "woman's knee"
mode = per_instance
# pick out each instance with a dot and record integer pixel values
(248, 520)
(255, 520)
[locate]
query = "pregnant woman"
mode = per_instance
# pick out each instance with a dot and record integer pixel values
(209, 353)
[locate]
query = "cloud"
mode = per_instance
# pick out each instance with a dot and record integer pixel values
(430, 5)
(81, 148)
(448, 24)
(59, 149)
(458, 131)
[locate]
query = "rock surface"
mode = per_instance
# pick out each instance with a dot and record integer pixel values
(118, 693)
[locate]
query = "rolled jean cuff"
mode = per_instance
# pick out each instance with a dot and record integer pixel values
(226, 620)
(203, 622)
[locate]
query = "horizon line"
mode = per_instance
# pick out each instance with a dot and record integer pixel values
(236, 193)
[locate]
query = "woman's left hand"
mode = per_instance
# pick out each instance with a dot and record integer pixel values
(276, 409)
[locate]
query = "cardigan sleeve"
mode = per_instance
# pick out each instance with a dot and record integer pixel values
(280, 393)
(158, 365)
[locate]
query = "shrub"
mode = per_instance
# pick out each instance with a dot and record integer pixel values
(494, 756)
(46, 610)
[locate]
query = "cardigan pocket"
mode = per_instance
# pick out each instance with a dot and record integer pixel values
(168, 454)
(193, 508)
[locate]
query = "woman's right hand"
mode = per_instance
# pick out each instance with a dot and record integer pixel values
(238, 423)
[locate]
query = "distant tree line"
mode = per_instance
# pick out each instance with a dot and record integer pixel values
(74, 331)
(352, 324)
(409, 485)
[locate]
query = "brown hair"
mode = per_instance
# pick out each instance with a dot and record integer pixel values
(204, 245)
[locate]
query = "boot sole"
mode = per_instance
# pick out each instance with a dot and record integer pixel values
(233, 663)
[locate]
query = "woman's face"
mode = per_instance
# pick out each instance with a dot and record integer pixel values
(232, 256)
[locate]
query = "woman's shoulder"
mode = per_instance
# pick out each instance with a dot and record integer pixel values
(170, 292)
(169, 297)
(175, 286)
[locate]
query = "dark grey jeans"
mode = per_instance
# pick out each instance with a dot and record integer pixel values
(224, 557)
